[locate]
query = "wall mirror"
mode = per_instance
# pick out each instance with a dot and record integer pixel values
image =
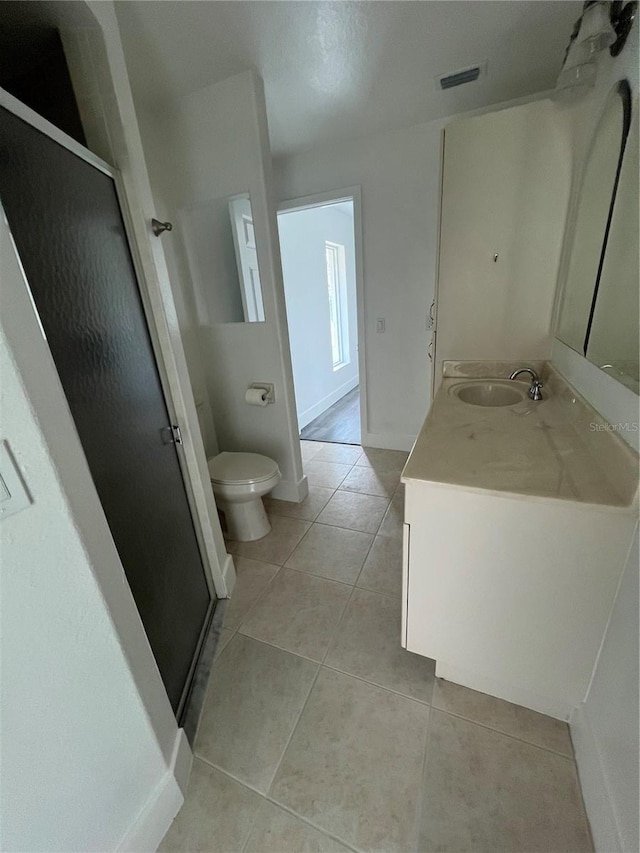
(223, 261)
(599, 305)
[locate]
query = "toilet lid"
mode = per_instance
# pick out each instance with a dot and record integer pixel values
(241, 468)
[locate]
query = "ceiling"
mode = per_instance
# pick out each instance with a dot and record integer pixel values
(341, 70)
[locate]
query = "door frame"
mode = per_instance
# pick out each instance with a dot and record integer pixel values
(172, 388)
(353, 194)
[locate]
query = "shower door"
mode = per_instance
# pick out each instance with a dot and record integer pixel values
(65, 219)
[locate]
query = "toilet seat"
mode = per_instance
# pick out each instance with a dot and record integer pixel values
(241, 468)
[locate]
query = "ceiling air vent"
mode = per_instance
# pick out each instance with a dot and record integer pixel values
(459, 78)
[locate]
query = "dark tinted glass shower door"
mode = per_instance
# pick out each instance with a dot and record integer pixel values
(65, 219)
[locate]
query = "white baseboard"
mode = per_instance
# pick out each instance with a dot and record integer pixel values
(182, 761)
(288, 490)
(321, 406)
(163, 805)
(387, 441)
(595, 791)
(557, 708)
(229, 574)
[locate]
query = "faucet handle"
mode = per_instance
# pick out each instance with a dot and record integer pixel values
(534, 391)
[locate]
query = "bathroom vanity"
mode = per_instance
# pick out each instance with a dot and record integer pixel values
(518, 520)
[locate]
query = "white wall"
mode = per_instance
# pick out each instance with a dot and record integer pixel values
(85, 764)
(506, 183)
(399, 174)
(605, 727)
(203, 146)
(302, 246)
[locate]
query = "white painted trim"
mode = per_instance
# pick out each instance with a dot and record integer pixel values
(614, 401)
(516, 695)
(287, 490)
(353, 194)
(181, 761)
(387, 440)
(22, 111)
(595, 790)
(308, 202)
(321, 406)
(163, 805)
(229, 574)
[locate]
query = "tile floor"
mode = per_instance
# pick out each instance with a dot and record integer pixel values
(320, 733)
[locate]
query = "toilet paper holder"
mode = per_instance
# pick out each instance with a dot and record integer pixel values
(269, 389)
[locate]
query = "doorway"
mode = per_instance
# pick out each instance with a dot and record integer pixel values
(321, 271)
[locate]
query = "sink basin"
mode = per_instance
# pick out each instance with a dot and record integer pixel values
(490, 393)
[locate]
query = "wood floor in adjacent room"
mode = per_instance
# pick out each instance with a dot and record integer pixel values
(340, 423)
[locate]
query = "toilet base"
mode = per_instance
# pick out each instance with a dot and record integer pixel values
(246, 520)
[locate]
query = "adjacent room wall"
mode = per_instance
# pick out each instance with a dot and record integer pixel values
(203, 146)
(303, 234)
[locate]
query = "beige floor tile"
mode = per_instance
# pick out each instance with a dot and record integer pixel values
(277, 545)
(326, 474)
(347, 454)
(225, 635)
(355, 512)
(252, 578)
(503, 716)
(368, 645)
(383, 460)
(277, 831)
(217, 815)
(307, 510)
(353, 764)
(309, 449)
(486, 792)
(299, 613)
(254, 699)
(331, 552)
(393, 521)
(382, 571)
(368, 481)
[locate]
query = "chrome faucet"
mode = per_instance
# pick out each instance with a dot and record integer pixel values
(534, 389)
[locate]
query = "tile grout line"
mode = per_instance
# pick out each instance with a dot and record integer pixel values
(267, 799)
(506, 734)
(293, 729)
(422, 786)
(423, 702)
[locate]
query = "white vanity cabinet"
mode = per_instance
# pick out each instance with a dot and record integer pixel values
(510, 595)
(514, 544)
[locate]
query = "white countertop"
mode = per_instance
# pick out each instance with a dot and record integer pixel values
(558, 448)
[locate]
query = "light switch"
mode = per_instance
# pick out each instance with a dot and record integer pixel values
(380, 324)
(13, 492)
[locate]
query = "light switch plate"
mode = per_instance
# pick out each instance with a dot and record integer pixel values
(13, 492)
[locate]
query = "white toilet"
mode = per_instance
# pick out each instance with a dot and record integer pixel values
(239, 481)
